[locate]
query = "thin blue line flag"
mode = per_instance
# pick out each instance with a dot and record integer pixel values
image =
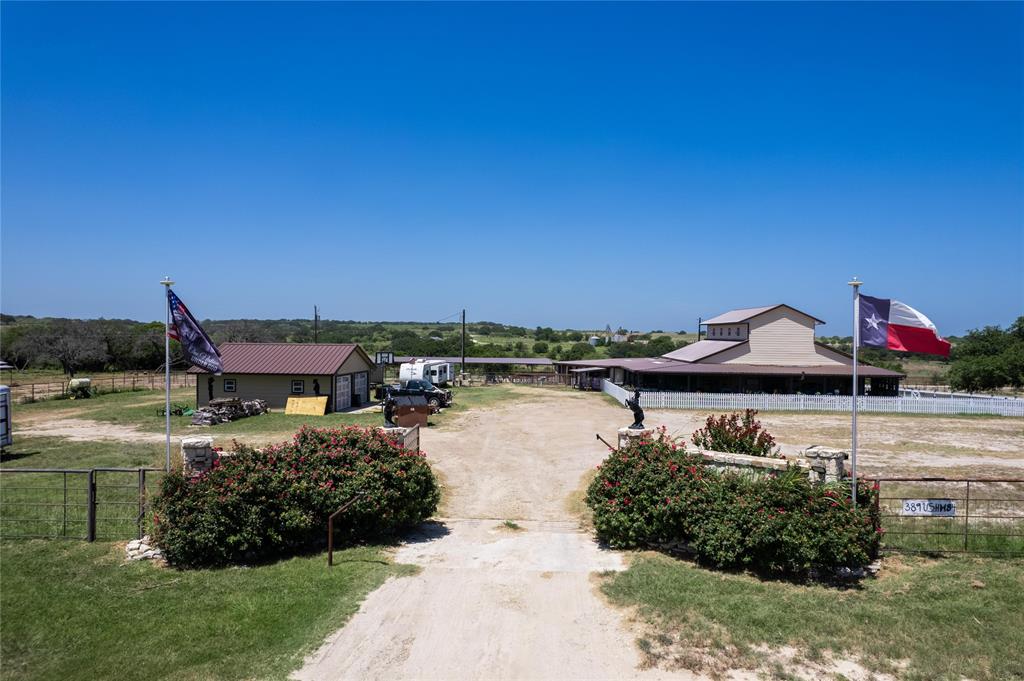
(197, 347)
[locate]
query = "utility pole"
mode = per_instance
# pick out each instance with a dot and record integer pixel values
(462, 367)
(316, 324)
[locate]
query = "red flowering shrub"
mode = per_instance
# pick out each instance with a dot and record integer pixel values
(735, 434)
(260, 505)
(654, 492)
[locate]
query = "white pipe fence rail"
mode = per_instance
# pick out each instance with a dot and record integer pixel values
(838, 403)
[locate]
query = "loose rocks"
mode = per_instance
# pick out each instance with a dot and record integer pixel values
(142, 549)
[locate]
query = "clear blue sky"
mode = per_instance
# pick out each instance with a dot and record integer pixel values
(538, 164)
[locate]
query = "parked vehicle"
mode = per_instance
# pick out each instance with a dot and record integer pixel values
(436, 397)
(436, 371)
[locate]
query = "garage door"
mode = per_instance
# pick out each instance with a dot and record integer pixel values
(361, 391)
(342, 392)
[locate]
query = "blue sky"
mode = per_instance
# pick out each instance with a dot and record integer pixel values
(538, 164)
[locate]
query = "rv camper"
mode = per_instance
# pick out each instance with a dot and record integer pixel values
(436, 371)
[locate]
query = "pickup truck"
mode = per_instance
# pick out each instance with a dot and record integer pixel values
(436, 397)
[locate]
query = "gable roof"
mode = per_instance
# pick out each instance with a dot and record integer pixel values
(743, 314)
(695, 352)
(285, 358)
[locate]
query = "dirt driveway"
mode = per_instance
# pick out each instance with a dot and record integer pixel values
(497, 603)
(493, 602)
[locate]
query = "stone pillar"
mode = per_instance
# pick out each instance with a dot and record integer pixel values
(197, 454)
(827, 461)
(629, 435)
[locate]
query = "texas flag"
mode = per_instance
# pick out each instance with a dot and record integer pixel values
(886, 323)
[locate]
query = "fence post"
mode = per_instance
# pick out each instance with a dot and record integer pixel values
(90, 511)
(142, 500)
(64, 527)
(967, 515)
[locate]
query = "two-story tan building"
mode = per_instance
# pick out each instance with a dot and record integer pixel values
(752, 350)
(276, 371)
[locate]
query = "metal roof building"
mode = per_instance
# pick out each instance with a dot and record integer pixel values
(760, 349)
(276, 371)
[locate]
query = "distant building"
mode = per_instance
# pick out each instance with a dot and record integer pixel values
(594, 340)
(752, 350)
(276, 371)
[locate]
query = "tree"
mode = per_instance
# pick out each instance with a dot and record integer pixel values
(540, 348)
(978, 373)
(20, 347)
(578, 351)
(74, 345)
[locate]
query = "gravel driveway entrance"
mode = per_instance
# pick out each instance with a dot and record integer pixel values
(493, 602)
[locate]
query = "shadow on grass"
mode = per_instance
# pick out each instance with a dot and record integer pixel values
(825, 577)
(14, 456)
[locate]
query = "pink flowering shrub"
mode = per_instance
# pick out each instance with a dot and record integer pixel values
(261, 505)
(655, 493)
(736, 434)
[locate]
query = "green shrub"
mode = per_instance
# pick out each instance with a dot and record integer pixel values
(654, 493)
(260, 505)
(735, 434)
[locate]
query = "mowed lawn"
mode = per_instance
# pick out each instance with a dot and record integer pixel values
(920, 619)
(73, 610)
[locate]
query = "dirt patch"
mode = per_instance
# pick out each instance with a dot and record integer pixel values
(84, 430)
(494, 603)
(888, 445)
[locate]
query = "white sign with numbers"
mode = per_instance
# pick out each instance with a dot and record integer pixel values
(943, 508)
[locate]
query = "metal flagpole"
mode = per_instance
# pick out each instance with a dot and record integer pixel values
(167, 283)
(853, 398)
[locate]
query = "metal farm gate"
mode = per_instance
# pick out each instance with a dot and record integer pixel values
(943, 515)
(76, 503)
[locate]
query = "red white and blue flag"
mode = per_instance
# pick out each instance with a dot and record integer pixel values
(197, 347)
(886, 323)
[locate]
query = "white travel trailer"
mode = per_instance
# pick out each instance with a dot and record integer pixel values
(436, 371)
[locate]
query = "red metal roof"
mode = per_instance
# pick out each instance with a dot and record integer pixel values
(284, 358)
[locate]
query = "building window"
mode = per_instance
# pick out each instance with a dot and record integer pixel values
(229, 385)
(730, 333)
(298, 387)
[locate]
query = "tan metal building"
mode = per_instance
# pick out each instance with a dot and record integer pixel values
(276, 371)
(757, 350)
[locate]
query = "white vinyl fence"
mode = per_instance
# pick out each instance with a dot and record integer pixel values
(840, 403)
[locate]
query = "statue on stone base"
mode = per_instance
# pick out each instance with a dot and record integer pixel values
(638, 412)
(389, 412)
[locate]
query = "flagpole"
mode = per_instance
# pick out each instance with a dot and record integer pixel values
(167, 283)
(853, 398)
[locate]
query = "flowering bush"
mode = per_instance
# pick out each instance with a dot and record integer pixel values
(735, 434)
(259, 505)
(654, 492)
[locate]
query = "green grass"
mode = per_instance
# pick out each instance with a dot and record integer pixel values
(72, 610)
(921, 619)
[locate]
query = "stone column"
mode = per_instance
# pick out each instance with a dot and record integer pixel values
(629, 435)
(197, 454)
(827, 460)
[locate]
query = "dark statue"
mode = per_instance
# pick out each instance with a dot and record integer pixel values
(389, 412)
(638, 412)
